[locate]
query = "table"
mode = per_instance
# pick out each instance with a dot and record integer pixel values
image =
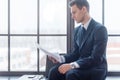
(32, 77)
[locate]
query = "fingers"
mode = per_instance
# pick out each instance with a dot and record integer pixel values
(64, 68)
(61, 69)
(52, 59)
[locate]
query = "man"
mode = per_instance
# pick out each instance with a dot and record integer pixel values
(88, 59)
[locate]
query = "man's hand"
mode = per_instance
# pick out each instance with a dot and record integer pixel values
(52, 59)
(64, 68)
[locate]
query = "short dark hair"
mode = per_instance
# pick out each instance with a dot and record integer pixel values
(79, 3)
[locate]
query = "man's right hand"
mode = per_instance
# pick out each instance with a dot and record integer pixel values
(52, 59)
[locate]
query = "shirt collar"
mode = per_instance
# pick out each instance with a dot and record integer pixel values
(87, 23)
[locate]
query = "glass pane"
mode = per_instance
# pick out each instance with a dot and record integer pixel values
(55, 44)
(113, 54)
(23, 55)
(53, 16)
(96, 9)
(23, 16)
(112, 17)
(3, 53)
(3, 16)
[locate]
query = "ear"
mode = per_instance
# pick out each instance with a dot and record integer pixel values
(84, 9)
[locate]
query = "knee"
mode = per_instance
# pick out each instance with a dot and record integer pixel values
(54, 74)
(70, 75)
(53, 70)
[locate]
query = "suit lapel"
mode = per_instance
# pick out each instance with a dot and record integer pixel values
(89, 31)
(79, 35)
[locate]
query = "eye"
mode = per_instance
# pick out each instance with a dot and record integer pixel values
(73, 12)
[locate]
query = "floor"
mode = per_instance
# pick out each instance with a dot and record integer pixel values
(113, 78)
(16, 78)
(9, 78)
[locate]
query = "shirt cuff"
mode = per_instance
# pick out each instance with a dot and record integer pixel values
(75, 64)
(62, 59)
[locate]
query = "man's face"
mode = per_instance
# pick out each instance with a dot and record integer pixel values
(77, 14)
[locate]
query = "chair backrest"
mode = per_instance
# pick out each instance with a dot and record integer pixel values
(49, 64)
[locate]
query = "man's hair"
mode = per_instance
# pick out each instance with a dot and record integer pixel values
(79, 3)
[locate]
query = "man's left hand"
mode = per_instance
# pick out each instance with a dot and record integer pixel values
(64, 68)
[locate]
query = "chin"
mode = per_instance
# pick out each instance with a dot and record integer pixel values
(77, 22)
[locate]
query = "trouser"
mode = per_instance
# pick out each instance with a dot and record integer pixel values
(77, 74)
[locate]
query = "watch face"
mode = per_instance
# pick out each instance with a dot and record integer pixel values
(73, 66)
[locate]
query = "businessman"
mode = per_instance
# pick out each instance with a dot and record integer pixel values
(88, 59)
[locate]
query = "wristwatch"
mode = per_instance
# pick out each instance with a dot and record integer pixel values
(73, 66)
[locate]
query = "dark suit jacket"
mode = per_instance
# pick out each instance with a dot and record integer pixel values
(91, 52)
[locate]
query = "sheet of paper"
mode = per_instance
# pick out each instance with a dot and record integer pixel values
(56, 56)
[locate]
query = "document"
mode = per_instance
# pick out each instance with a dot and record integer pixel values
(56, 56)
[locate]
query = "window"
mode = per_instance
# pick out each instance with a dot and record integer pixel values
(23, 55)
(96, 9)
(112, 16)
(3, 53)
(53, 27)
(3, 37)
(24, 23)
(23, 16)
(112, 23)
(3, 16)
(113, 53)
(53, 17)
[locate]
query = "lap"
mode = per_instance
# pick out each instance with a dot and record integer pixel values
(90, 74)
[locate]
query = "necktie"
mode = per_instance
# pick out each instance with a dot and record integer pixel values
(83, 33)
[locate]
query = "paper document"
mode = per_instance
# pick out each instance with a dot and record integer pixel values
(56, 56)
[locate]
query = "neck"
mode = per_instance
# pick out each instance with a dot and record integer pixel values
(86, 18)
